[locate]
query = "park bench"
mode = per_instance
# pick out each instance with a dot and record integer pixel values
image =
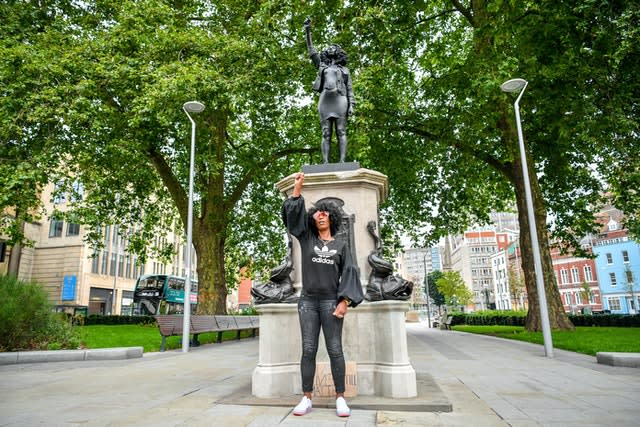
(172, 325)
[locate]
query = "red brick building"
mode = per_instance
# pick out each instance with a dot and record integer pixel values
(577, 282)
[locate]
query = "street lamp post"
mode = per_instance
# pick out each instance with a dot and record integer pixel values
(426, 287)
(189, 107)
(115, 276)
(515, 85)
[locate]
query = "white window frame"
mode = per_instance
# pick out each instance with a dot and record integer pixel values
(614, 303)
(588, 274)
(55, 227)
(625, 257)
(575, 274)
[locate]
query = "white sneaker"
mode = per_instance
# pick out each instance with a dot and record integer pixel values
(304, 407)
(341, 407)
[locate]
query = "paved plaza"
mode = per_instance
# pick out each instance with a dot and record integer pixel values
(464, 380)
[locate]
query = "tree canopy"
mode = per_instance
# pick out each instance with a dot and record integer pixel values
(94, 92)
(454, 290)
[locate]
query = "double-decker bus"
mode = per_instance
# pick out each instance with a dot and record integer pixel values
(162, 294)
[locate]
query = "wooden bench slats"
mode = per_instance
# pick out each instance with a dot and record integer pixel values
(226, 322)
(255, 321)
(172, 325)
(203, 324)
(243, 322)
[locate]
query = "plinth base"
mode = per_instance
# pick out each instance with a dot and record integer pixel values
(374, 337)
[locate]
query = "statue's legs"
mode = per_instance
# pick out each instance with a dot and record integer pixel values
(327, 132)
(341, 133)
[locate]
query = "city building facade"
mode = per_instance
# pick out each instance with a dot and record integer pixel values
(75, 275)
(415, 264)
(577, 280)
(618, 266)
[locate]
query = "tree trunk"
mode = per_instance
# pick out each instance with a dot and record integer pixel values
(212, 287)
(558, 319)
(13, 268)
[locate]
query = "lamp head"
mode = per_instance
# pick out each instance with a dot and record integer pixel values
(513, 85)
(193, 107)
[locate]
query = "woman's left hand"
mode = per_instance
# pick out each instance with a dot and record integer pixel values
(341, 309)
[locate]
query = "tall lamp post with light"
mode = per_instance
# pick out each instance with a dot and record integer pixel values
(189, 107)
(426, 287)
(515, 85)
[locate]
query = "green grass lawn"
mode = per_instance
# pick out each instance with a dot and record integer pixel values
(148, 337)
(587, 340)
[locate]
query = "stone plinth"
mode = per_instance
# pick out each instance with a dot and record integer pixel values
(362, 192)
(374, 337)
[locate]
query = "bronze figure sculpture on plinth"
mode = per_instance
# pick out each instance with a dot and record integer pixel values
(280, 288)
(336, 101)
(383, 285)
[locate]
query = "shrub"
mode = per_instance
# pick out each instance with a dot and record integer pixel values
(614, 320)
(491, 317)
(99, 319)
(27, 321)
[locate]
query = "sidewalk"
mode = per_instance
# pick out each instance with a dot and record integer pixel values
(484, 381)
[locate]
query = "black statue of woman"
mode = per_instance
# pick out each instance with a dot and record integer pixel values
(336, 101)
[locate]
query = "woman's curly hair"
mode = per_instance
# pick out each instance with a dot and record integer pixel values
(335, 219)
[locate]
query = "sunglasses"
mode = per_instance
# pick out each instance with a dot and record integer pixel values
(318, 214)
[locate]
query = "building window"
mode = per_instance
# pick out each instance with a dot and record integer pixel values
(112, 267)
(564, 276)
(55, 228)
(588, 275)
(609, 259)
(59, 195)
(614, 282)
(614, 303)
(121, 266)
(95, 263)
(128, 272)
(107, 231)
(78, 191)
(625, 256)
(73, 229)
(567, 299)
(575, 277)
(629, 275)
(103, 264)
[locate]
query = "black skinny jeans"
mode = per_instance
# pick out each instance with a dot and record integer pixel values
(315, 312)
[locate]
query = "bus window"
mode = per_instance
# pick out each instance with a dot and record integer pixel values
(162, 294)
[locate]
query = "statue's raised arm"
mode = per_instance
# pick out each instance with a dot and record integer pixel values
(336, 101)
(313, 53)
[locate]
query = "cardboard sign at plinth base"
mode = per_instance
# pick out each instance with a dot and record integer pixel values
(323, 381)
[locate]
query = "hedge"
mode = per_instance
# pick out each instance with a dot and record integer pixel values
(511, 318)
(99, 319)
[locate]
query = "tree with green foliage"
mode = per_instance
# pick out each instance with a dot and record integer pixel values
(430, 76)
(104, 83)
(455, 291)
(434, 293)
